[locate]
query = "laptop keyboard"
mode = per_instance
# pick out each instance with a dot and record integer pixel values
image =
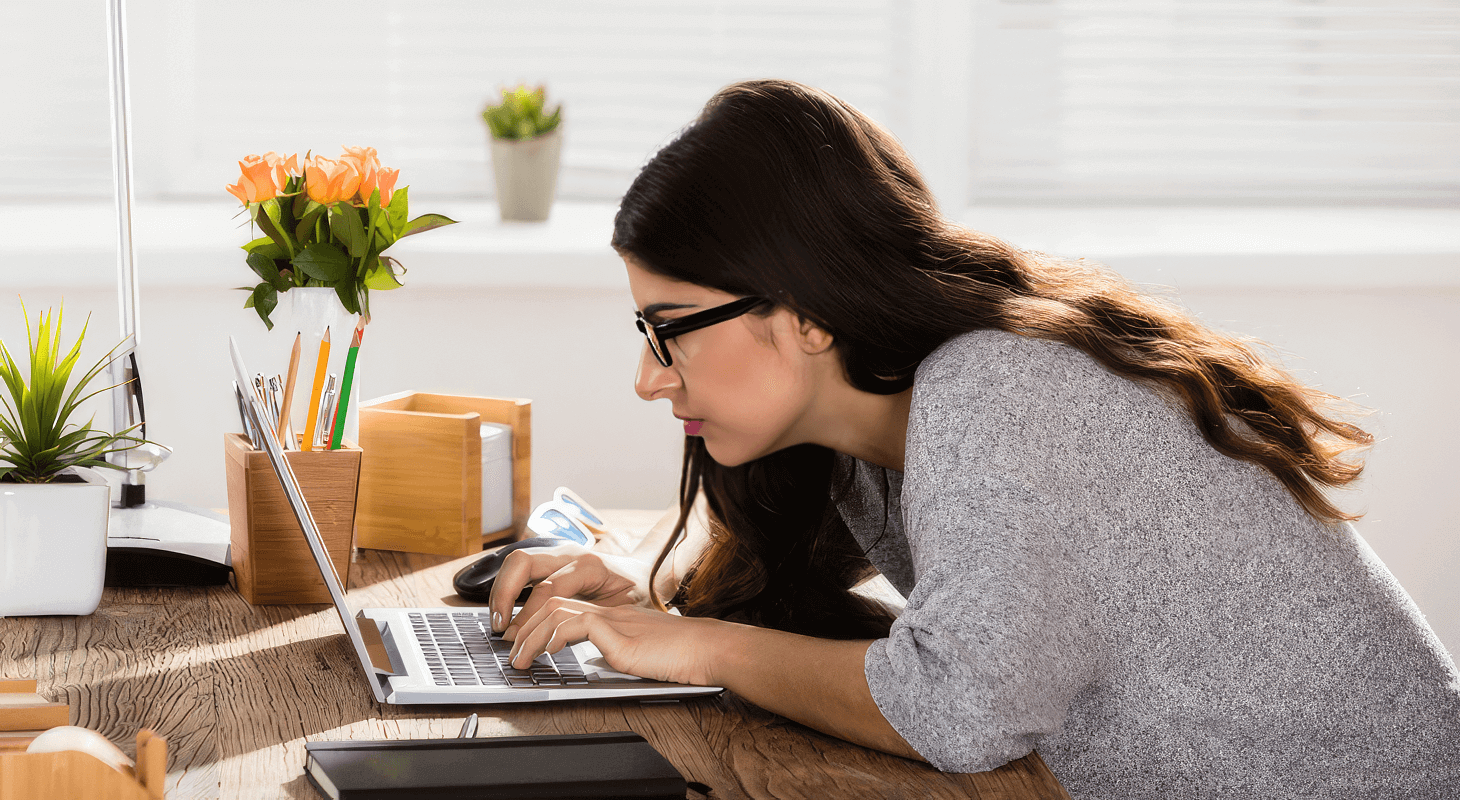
(461, 650)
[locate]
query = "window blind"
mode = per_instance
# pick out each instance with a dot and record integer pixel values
(1212, 100)
(411, 78)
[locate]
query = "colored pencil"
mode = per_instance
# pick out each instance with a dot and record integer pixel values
(319, 372)
(343, 403)
(288, 400)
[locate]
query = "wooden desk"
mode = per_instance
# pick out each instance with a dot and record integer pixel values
(237, 690)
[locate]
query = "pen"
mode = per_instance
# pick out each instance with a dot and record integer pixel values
(273, 404)
(342, 403)
(288, 402)
(326, 413)
(468, 728)
(319, 367)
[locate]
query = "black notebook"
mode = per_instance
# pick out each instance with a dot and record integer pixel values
(591, 765)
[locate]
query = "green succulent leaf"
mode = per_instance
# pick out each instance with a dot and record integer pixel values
(38, 438)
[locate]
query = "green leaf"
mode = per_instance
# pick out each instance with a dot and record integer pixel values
(266, 246)
(266, 224)
(323, 262)
(265, 300)
(398, 211)
(268, 269)
(304, 232)
(346, 226)
(345, 290)
(39, 437)
(426, 222)
(382, 274)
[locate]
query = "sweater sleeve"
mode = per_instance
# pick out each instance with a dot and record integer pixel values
(998, 636)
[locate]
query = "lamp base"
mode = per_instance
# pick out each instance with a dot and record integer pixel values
(160, 543)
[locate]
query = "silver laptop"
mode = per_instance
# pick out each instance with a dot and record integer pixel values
(447, 655)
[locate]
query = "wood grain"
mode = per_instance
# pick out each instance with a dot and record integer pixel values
(238, 689)
(421, 481)
(271, 560)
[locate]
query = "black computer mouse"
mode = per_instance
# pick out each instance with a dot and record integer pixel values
(474, 581)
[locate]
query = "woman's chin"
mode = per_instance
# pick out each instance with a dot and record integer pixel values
(725, 457)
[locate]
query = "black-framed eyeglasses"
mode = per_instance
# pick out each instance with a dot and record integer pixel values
(660, 334)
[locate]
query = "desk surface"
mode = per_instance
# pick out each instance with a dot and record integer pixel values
(237, 690)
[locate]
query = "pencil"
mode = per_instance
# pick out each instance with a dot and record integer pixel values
(343, 404)
(319, 370)
(288, 401)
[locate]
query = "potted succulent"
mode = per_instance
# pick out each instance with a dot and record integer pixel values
(53, 506)
(526, 148)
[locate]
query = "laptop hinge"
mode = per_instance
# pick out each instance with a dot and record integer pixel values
(376, 646)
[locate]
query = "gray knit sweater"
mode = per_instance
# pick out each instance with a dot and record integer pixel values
(1087, 577)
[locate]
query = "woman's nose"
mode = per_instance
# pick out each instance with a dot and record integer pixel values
(653, 378)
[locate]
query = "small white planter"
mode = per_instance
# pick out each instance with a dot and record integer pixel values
(53, 546)
(526, 173)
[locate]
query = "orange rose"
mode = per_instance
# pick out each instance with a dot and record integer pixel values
(256, 183)
(329, 181)
(383, 179)
(284, 168)
(364, 159)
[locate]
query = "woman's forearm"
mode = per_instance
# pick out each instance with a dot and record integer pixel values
(820, 683)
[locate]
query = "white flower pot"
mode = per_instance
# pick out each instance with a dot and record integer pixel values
(53, 546)
(526, 174)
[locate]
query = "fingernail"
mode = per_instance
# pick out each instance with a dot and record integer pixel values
(496, 620)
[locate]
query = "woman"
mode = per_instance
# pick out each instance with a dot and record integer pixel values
(1108, 521)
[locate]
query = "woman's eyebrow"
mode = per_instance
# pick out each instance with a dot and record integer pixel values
(655, 309)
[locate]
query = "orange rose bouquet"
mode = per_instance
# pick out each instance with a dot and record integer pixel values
(325, 224)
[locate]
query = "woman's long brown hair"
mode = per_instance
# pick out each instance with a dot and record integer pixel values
(782, 191)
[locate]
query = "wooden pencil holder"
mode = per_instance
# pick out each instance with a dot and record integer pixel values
(421, 480)
(67, 775)
(271, 560)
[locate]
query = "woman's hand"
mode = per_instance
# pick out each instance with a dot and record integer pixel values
(568, 571)
(634, 640)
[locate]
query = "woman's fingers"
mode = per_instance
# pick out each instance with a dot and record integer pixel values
(520, 568)
(561, 619)
(567, 581)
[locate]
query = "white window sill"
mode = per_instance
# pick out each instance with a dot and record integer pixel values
(196, 245)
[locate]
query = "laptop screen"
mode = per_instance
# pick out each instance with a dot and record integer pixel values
(287, 479)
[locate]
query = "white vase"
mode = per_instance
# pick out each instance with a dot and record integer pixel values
(526, 175)
(53, 546)
(309, 311)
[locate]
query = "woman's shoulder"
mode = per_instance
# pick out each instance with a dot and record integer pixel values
(989, 366)
(990, 390)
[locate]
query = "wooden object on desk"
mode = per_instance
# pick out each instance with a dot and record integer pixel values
(68, 775)
(21, 709)
(421, 482)
(272, 563)
(24, 715)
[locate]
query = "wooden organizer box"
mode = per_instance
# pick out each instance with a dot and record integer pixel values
(421, 481)
(66, 775)
(271, 560)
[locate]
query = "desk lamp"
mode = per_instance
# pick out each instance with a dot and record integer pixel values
(149, 543)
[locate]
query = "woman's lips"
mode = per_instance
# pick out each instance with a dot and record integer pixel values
(692, 427)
